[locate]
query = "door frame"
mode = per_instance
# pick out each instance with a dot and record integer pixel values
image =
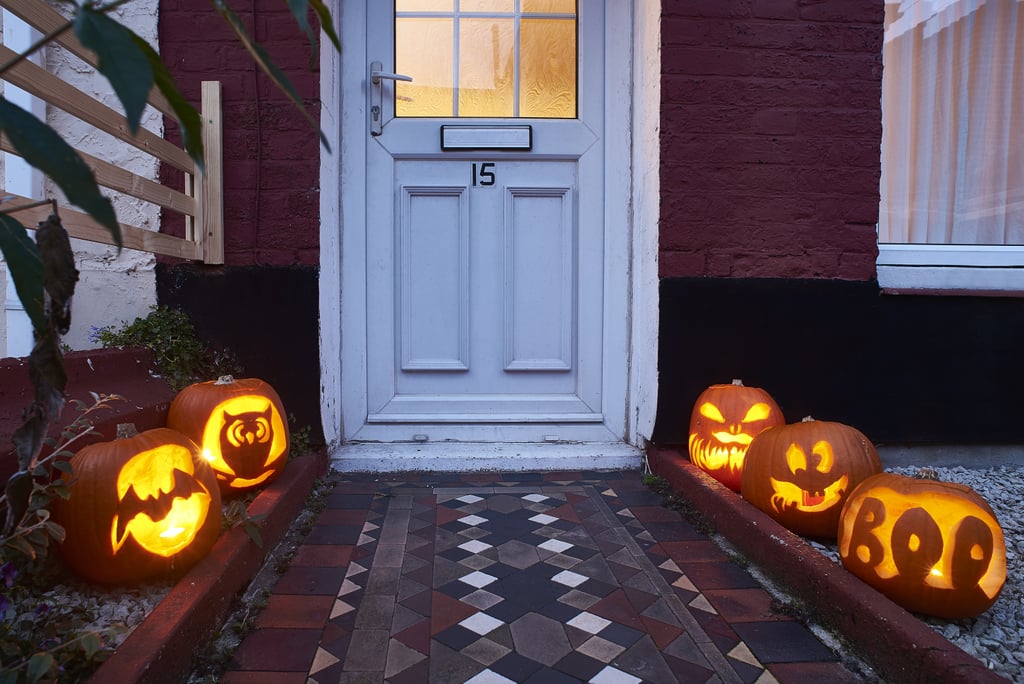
(629, 384)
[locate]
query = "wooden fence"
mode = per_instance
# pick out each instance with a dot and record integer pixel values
(200, 201)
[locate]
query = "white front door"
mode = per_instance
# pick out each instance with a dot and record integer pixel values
(482, 264)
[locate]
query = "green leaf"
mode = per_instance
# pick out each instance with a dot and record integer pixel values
(188, 117)
(25, 267)
(91, 644)
(41, 147)
(300, 11)
(39, 666)
(18, 492)
(254, 534)
(268, 67)
(326, 23)
(120, 60)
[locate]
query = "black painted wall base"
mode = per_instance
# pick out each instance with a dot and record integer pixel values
(900, 368)
(268, 316)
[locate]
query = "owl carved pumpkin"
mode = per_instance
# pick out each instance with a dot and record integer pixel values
(239, 426)
(932, 547)
(139, 506)
(724, 421)
(801, 474)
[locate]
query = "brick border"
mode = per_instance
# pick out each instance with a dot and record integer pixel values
(899, 646)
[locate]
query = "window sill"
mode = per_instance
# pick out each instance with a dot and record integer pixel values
(951, 270)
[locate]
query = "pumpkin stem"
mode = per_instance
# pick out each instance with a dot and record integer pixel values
(807, 419)
(225, 380)
(126, 430)
(737, 382)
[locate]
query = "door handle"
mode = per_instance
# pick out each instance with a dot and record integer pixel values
(376, 95)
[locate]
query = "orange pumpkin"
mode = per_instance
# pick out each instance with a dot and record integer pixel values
(139, 506)
(239, 426)
(725, 419)
(932, 547)
(800, 474)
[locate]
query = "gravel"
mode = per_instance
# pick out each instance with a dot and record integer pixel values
(996, 637)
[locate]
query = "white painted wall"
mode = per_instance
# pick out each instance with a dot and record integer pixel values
(112, 287)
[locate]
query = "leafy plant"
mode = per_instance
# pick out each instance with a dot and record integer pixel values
(40, 639)
(178, 354)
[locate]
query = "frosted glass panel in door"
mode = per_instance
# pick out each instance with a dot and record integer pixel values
(486, 58)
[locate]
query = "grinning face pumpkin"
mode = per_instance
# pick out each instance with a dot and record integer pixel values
(239, 427)
(932, 547)
(800, 474)
(725, 420)
(138, 507)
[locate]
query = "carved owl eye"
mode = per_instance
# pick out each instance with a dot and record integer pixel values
(724, 420)
(239, 426)
(800, 474)
(932, 547)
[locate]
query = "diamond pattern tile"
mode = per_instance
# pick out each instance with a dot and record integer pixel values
(524, 577)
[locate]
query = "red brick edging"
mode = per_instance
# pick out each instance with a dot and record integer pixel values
(898, 645)
(161, 649)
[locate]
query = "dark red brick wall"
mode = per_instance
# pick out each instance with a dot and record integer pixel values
(770, 125)
(271, 152)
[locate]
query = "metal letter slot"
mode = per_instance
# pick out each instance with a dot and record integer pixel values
(376, 94)
(518, 137)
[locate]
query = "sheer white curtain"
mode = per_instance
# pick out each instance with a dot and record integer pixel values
(953, 123)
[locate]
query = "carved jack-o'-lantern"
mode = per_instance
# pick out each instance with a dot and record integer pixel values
(800, 474)
(139, 506)
(725, 419)
(932, 547)
(239, 426)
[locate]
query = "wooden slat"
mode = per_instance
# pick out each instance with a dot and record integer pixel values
(46, 20)
(124, 181)
(83, 227)
(37, 81)
(211, 194)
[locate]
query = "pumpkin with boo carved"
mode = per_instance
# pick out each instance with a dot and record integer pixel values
(725, 419)
(139, 506)
(800, 474)
(239, 426)
(932, 547)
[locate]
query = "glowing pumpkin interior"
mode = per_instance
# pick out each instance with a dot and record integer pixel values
(809, 485)
(243, 439)
(160, 503)
(939, 539)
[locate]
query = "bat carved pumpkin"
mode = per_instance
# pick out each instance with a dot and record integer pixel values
(239, 426)
(139, 507)
(932, 547)
(801, 474)
(724, 421)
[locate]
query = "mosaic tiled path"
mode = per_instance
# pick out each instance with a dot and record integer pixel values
(541, 578)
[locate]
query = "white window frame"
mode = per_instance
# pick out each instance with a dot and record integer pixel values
(969, 269)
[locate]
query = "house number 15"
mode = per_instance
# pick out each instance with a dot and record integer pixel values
(483, 174)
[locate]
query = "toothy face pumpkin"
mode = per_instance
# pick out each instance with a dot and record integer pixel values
(725, 420)
(800, 474)
(239, 426)
(932, 547)
(138, 507)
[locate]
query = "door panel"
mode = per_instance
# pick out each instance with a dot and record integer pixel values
(484, 265)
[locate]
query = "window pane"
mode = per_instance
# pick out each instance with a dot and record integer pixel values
(486, 67)
(424, 49)
(548, 62)
(423, 5)
(560, 6)
(487, 6)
